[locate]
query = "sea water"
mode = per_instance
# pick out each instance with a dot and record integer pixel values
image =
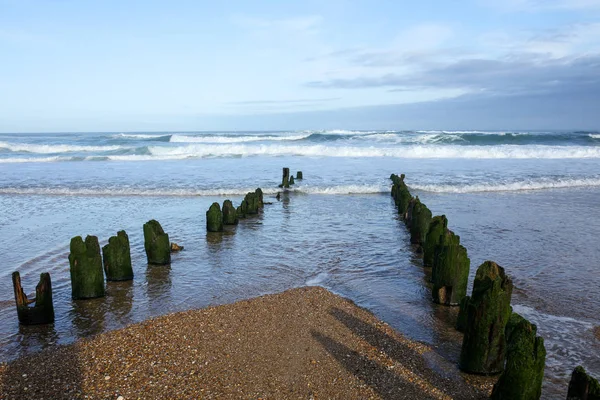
(527, 200)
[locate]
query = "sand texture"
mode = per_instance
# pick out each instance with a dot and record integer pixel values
(304, 343)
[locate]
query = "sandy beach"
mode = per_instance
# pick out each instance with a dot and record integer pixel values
(303, 343)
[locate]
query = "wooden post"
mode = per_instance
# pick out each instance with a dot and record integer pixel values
(43, 310)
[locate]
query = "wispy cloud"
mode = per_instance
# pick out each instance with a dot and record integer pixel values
(542, 5)
(295, 101)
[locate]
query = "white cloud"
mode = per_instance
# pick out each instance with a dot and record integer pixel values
(542, 5)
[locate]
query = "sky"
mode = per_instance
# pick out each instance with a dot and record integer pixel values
(75, 66)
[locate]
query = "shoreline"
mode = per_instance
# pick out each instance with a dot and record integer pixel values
(300, 343)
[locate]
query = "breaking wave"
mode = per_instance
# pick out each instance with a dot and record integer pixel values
(539, 184)
(54, 148)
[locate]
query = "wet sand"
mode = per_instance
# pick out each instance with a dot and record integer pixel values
(304, 343)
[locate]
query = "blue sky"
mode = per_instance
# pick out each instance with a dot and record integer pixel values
(195, 65)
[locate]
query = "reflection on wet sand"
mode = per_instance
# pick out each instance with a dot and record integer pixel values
(120, 300)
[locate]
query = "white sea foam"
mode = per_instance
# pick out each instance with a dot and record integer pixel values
(110, 191)
(594, 135)
(411, 151)
(54, 148)
(511, 186)
(342, 189)
(233, 139)
(33, 159)
(139, 136)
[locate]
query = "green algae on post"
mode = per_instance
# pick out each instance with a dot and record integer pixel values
(450, 273)
(87, 274)
(285, 180)
(116, 257)
(419, 222)
(437, 228)
(156, 243)
(259, 195)
(582, 386)
(214, 218)
(525, 361)
(43, 310)
(229, 213)
(461, 320)
(299, 175)
(484, 343)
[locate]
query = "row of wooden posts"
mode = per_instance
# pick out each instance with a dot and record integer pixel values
(88, 269)
(229, 215)
(496, 339)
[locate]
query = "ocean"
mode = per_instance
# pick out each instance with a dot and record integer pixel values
(527, 200)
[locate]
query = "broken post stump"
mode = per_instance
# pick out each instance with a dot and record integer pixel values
(156, 243)
(437, 227)
(419, 223)
(229, 213)
(582, 386)
(214, 218)
(525, 361)
(484, 343)
(292, 182)
(450, 273)
(299, 175)
(116, 256)
(285, 180)
(87, 274)
(43, 310)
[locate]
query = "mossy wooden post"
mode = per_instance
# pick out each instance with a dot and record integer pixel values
(484, 343)
(241, 210)
(461, 320)
(450, 273)
(582, 386)
(437, 227)
(260, 197)
(419, 223)
(525, 361)
(299, 175)
(409, 212)
(116, 257)
(229, 213)
(87, 275)
(43, 310)
(292, 182)
(401, 194)
(285, 180)
(251, 201)
(214, 218)
(156, 243)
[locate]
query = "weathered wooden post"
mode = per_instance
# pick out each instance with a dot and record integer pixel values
(401, 194)
(299, 175)
(450, 273)
(292, 182)
(251, 201)
(116, 256)
(419, 223)
(175, 247)
(259, 195)
(214, 218)
(525, 361)
(156, 243)
(285, 181)
(87, 275)
(582, 386)
(484, 343)
(437, 227)
(461, 320)
(43, 310)
(229, 213)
